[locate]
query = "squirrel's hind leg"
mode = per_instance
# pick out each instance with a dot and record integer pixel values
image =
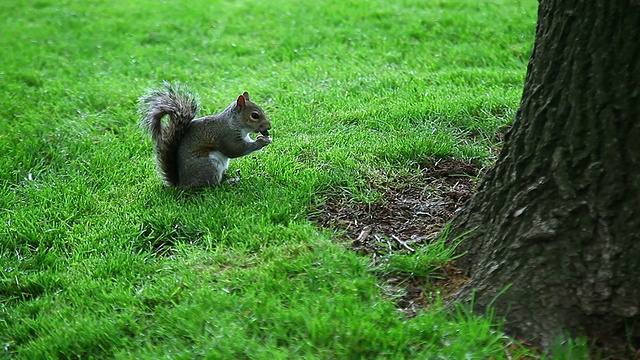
(220, 164)
(204, 171)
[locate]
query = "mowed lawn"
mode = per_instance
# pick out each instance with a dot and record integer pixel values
(99, 260)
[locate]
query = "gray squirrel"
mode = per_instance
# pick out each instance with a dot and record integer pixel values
(195, 152)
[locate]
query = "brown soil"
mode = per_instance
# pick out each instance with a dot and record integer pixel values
(412, 212)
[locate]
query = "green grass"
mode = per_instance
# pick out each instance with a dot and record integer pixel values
(98, 259)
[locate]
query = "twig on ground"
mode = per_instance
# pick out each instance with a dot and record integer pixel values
(383, 241)
(402, 243)
(363, 234)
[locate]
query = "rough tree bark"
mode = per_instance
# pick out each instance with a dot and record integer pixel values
(556, 222)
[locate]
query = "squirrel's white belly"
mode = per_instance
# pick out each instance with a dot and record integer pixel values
(219, 161)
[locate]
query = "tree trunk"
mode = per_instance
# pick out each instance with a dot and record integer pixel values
(556, 222)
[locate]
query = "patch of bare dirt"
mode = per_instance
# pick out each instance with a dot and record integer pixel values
(412, 212)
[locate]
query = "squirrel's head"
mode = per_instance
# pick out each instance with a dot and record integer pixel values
(253, 115)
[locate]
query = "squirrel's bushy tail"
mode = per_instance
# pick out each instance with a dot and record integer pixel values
(181, 107)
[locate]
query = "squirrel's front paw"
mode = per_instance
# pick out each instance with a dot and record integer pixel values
(263, 140)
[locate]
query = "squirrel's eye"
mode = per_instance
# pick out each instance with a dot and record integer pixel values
(255, 115)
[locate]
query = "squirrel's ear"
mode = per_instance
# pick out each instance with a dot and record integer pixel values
(241, 100)
(246, 95)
